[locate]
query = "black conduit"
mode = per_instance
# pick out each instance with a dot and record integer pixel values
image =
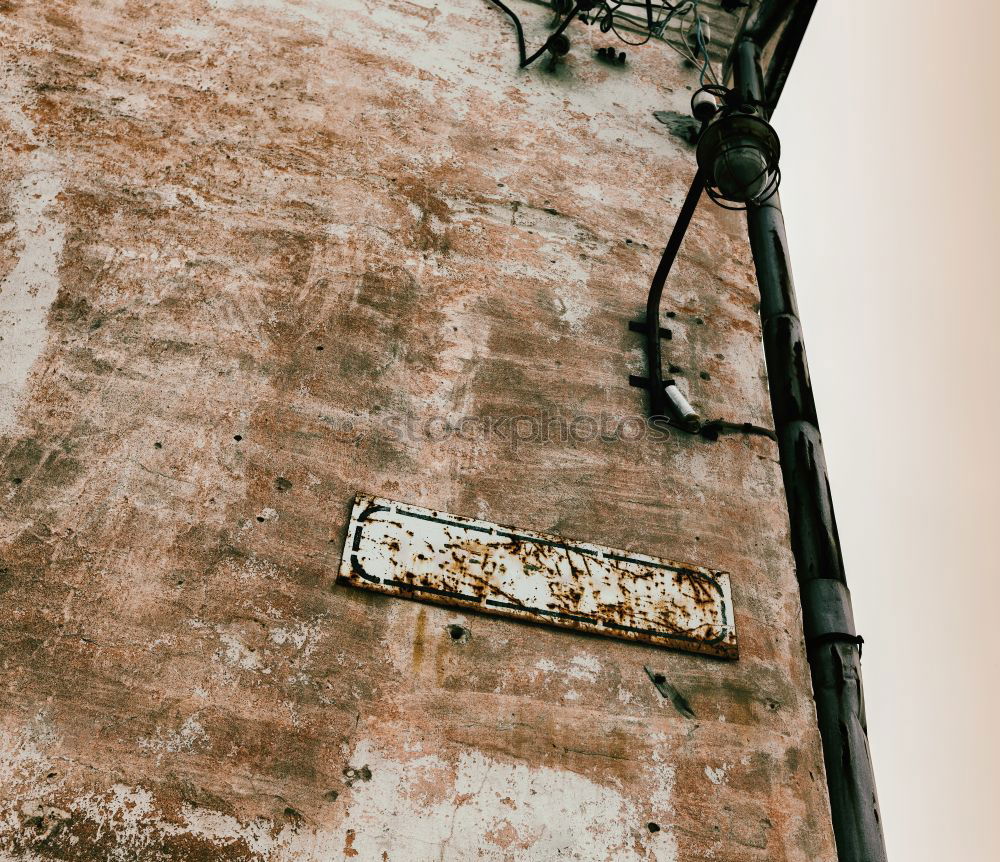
(833, 646)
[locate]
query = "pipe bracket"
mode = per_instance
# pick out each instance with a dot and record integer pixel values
(826, 612)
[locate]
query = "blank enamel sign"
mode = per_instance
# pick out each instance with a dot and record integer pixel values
(435, 557)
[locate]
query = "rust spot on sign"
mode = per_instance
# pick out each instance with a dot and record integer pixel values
(422, 554)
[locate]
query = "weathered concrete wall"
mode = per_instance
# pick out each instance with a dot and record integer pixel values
(257, 257)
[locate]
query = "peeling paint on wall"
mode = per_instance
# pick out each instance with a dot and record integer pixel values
(26, 291)
(425, 810)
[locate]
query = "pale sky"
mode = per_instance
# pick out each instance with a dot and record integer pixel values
(889, 128)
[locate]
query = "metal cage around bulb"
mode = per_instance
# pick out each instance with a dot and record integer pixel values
(738, 154)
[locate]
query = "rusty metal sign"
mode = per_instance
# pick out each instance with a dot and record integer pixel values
(421, 554)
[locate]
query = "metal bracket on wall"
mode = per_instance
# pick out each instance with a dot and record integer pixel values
(663, 392)
(638, 381)
(640, 326)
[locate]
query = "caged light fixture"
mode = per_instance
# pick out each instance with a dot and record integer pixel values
(738, 149)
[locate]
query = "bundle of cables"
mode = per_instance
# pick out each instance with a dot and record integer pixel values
(645, 18)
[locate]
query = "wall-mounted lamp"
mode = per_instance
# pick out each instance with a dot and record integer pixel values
(737, 151)
(738, 167)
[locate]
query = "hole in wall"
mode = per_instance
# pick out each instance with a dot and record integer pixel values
(459, 634)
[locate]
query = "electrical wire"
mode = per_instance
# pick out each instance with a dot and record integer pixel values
(517, 28)
(607, 12)
(521, 48)
(700, 36)
(610, 17)
(606, 15)
(684, 51)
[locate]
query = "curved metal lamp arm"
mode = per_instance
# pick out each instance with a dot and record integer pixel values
(654, 357)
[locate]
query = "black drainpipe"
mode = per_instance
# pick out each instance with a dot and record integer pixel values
(832, 644)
